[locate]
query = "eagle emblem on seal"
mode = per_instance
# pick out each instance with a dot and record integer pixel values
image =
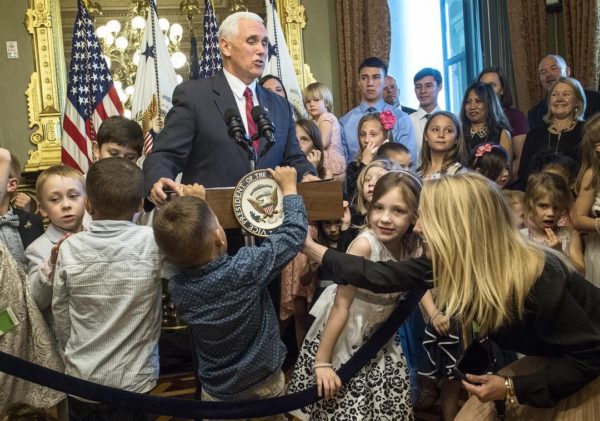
(264, 201)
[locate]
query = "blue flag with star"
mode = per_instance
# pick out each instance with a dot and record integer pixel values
(155, 81)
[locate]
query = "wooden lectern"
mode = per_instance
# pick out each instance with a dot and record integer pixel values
(323, 201)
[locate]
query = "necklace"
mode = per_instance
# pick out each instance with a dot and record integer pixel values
(482, 133)
(566, 129)
(550, 134)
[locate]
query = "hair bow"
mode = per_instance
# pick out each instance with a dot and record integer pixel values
(387, 119)
(483, 149)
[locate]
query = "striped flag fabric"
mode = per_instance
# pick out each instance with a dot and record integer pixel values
(210, 61)
(91, 94)
(155, 81)
(280, 62)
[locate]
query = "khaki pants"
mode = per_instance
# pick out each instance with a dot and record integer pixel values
(273, 386)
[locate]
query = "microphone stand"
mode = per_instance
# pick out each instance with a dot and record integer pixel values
(246, 144)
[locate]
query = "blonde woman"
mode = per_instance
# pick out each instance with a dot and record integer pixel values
(521, 295)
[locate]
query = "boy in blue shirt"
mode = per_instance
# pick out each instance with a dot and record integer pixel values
(224, 298)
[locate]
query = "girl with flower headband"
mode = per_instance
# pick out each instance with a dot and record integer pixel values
(346, 316)
(492, 161)
(374, 129)
(443, 150)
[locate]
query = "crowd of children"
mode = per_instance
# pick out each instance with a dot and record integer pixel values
(94, 273)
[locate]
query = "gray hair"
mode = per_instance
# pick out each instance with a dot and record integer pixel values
(230, 26)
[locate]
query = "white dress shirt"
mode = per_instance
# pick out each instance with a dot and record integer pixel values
(418, 120)
(107, 305)
(238, 87)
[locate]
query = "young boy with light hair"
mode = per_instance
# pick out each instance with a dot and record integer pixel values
(60, 192)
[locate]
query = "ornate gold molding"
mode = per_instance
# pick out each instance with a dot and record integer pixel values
(43, 103)
(293, 20)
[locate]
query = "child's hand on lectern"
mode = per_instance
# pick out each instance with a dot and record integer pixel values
(286, 178)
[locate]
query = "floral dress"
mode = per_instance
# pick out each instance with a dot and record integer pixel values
(381, 389)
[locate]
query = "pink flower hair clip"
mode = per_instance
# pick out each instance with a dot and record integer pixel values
(387, 119)
(483, 149)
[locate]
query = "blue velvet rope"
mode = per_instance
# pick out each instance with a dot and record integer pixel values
(221, 410)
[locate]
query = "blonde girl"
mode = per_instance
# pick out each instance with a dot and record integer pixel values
(374, 129)
(548, 199)
(319, 104)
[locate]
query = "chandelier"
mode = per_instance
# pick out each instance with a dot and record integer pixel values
(120, 42)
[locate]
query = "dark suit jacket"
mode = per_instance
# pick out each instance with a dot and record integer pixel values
(195, 140)
(535, 116)
(30, 226)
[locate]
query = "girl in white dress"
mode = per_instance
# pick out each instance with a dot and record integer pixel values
(345, 317)
(586, 213)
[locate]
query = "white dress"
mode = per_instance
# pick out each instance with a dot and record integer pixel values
(381, 390)
(592, 249)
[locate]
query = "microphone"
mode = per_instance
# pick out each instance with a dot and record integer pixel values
(264, 125)
(235, 126)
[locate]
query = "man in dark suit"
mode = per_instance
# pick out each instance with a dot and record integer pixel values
(550, 69)
(195, 138)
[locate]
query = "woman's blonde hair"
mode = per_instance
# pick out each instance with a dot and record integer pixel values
(317, 91)
(483, 267)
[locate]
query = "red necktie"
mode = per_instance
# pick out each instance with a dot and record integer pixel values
(251, 125)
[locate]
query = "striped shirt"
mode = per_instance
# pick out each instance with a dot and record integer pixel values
(107, 305)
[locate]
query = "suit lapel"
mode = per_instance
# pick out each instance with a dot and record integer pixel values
(265, 101)
(224, 98)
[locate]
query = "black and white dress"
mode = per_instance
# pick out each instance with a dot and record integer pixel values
(381, 390)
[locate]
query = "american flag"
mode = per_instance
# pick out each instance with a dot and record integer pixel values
(211, 61)
(91, 94)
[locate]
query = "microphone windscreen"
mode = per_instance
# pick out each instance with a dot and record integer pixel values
(258, 112)
(230, 113)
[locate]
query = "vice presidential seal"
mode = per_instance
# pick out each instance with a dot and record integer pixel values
(257, 203)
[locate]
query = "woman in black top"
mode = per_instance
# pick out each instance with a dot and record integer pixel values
(522, 296)
(564, 126)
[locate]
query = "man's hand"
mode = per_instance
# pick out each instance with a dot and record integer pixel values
(196, 190)
(489, 387)
(286, 178)
(158, 196)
